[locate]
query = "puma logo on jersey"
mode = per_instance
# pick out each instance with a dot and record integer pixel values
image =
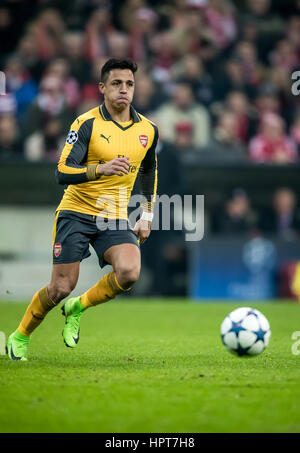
(106, 138)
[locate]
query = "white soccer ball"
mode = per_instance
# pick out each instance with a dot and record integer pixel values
(245, 331)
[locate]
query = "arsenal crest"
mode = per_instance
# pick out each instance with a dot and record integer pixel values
(57, 249)
(144, 140)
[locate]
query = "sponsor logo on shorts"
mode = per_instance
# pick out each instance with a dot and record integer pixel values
(144, 140)
(57, 249)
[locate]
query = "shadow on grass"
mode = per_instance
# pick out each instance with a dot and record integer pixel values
(134, 362)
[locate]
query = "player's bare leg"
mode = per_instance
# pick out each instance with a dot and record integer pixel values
(126, 262)
(63, 281)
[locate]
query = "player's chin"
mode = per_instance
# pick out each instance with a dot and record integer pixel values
(122, 103)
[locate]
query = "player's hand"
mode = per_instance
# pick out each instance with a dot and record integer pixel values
(142, 228)
(117, 166)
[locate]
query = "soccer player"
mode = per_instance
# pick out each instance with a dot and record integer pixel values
(104, 151)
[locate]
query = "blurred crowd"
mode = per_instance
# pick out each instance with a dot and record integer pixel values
(215, 75)
(236, 217)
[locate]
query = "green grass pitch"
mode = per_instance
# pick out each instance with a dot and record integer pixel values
(151, 366)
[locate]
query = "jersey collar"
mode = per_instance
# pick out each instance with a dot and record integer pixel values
(107, 117)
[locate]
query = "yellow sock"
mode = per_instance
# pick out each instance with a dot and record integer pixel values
(40, 305)
(296, 281)
(106, 289)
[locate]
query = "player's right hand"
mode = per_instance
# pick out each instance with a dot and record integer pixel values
(117, 166)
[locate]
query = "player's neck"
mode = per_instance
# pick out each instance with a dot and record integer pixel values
(120, 116)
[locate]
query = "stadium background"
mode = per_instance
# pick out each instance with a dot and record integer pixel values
(216, 76)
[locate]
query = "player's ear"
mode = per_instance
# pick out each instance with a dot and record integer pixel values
(101, 87)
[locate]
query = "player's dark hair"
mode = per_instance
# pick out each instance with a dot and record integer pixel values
(115, 63)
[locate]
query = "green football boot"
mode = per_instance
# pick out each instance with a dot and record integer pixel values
(17, 346)
(72, 310)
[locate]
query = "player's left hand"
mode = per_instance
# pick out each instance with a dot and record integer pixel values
(142, 228)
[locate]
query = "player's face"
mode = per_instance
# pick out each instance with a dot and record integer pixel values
(118, 89)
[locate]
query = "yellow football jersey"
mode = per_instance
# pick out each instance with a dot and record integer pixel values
(95, 138)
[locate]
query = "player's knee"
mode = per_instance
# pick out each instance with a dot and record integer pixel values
(127, 276)
(58, 292)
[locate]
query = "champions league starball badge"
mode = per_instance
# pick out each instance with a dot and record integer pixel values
(72, 138)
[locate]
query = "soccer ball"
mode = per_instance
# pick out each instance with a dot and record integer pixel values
(245, 331)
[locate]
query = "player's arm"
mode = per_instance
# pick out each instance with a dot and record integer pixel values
(148, 175)
(148, 186)
(70, 168)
